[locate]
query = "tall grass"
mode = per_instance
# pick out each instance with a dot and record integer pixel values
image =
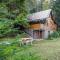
(13, 51)
(24, 56)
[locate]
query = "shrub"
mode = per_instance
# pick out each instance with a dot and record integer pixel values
(24, 56)
(7, 27)
(9, 48)
(55, 34)
(6, 51)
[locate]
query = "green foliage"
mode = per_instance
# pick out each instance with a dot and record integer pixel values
(9, 48)
(3, 10)
(12, 12)
(11, 52)
(56, 8)
(6, 50)
(56, 34)
(22, 19)
(25, 56)
(6, 27)
(46, 5)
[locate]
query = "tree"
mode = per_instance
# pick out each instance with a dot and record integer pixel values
(56, 9)
(33, 6)
(12, 12)
(46, 4)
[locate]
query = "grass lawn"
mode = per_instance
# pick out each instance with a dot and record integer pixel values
(40, 50)
(44, 50)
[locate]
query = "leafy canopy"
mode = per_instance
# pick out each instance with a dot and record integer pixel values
(12, 12)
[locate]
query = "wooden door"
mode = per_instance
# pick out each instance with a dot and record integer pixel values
(40, 34)
(37, 34)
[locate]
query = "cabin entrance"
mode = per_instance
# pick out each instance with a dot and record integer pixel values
(37, 34)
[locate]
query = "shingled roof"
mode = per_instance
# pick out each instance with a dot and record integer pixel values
(42, 15)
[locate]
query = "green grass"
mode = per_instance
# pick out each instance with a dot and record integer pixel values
(40, 50)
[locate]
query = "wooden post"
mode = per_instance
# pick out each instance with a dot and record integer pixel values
(33, 33)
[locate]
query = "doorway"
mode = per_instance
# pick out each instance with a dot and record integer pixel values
(37, 34)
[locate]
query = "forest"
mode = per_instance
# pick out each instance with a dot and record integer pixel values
(13, 13)
(13, 18)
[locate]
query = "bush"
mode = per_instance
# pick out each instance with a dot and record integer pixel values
(56, 34)
(8, 48)
(6, 51)
(7, 27)
(24, 56)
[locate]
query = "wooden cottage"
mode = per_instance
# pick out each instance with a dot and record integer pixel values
(41, 24)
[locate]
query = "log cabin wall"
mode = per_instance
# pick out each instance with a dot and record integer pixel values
(37, 30)
(49, 27)
(36, 26)
(50, 24)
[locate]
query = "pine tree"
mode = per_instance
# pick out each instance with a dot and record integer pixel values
(12, 13)
(56, 9)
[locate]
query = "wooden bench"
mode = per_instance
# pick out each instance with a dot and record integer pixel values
(26, 41)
